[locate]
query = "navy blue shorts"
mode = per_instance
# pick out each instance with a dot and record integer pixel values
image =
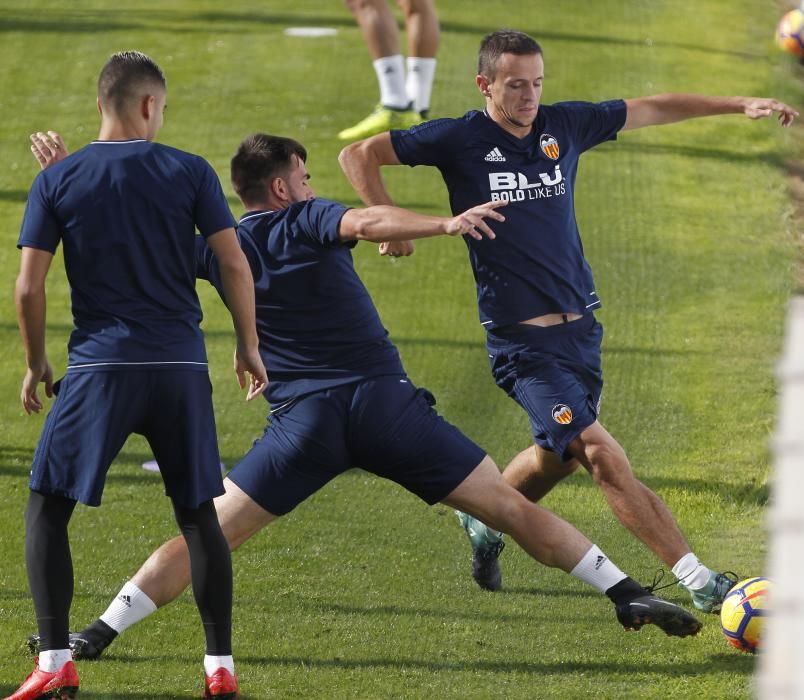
(384, 425)
(95, 412)
(554, 374)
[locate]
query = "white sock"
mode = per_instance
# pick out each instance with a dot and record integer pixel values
(213, 663)
(596, 569)
(53, 659)
(129, 607)
(691, 572)
(419, 81)
(390, 72)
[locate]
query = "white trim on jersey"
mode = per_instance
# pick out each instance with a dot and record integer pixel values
(254, 216)
(117, 143)
(128, 364)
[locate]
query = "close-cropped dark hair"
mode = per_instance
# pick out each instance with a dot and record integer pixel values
(126, 76)
(503, 41)
(259, 159)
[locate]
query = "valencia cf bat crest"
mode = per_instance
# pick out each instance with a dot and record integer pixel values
(549, 146)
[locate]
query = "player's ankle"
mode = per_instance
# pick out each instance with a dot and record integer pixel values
(625, 591)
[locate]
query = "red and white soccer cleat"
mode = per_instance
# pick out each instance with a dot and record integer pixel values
(221, 684)
(61, 685)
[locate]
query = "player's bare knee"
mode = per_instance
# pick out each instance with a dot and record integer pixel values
(508, 509)
(609, 466)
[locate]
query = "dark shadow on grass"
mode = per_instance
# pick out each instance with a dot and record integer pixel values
(379, 611)
(662, 149)
(748, 494)
(13, 196)
(718, 663)
(89, 21)
(548, 592)
(732, 664)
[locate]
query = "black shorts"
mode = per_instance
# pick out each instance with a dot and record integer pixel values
(554, 374)
(384, 425)
(95, 412)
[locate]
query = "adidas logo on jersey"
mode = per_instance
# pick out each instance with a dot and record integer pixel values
(494, 156)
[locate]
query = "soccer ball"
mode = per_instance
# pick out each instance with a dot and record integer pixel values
(790, 33)
(742, 612)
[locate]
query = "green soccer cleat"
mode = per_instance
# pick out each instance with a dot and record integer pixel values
(486, 547)
(380, 120)
(709, 599)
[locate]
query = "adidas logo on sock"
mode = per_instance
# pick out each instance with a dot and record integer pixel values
(125, 599)
(494, 156)
(600, 561)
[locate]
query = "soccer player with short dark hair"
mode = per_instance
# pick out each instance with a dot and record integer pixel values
(126, 210)
(340, 397)
(535, 289)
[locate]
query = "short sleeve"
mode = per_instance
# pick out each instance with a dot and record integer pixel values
(206, 264)
(319, 220)
(40, 227)
(430, 143)
(204, 260)
(593, 123)
(212, 213)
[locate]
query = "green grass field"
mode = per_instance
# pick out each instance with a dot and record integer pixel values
(363, 591)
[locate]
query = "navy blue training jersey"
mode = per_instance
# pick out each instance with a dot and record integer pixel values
(126, 213)
(317, 325)
(536, 264)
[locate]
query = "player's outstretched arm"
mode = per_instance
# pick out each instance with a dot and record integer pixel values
(238, 290)
(675, 107)
(31, 302)
(387, 223)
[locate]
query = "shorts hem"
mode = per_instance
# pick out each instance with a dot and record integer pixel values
(47, 490)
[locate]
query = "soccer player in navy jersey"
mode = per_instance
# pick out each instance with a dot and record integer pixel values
(535, 290)
(340, 397)
(126, 211)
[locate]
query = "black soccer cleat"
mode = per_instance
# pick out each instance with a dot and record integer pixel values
(648, 609)
(486, 569)
(85, 645)
(487, 544)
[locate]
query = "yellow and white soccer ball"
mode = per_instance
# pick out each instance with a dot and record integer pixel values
(743, 612)
(790, 33)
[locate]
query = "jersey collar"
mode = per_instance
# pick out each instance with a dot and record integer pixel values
(256, 214)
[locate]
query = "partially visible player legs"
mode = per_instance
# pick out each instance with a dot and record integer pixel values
(47, 549)
(554, 542)
(380, 31)
(647, 516)
(423, 32)
(533, 472)
(166, 573)
(211, 574)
